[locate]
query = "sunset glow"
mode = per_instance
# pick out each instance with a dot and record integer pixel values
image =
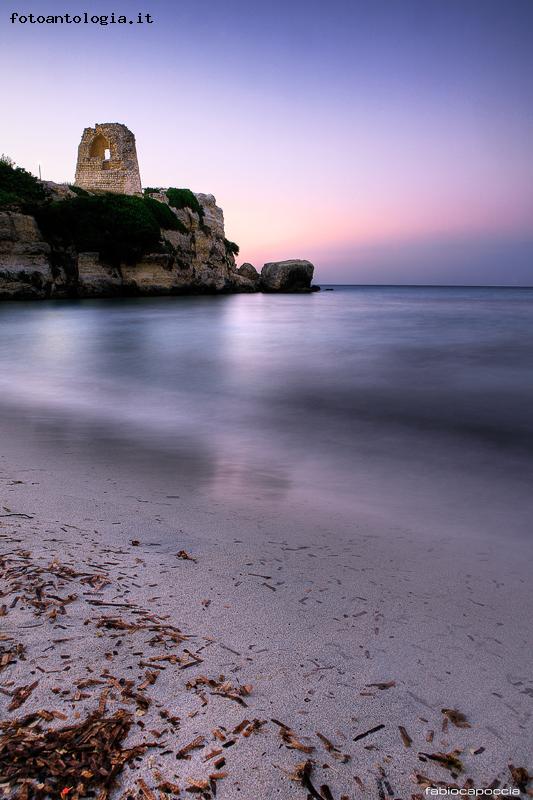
(322, 131)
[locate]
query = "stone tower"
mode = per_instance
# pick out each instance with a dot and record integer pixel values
(107, 160)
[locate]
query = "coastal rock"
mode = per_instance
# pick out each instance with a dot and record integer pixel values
(201, 260)
(25, 269)
(249, 271)
(105, 236)
(195, 259)
(294, 275)
(151, 276)
(95, 279)
(213, 216)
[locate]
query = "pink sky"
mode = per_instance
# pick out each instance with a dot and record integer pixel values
(322, 135)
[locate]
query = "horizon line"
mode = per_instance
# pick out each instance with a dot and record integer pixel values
(433, 285)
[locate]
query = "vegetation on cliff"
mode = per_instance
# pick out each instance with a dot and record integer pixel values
(184, 198)
(164, 216)
(120, 227)
(231, 247)
(178, 199)
(18, 187)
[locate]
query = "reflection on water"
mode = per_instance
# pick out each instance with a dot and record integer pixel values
(415, 397)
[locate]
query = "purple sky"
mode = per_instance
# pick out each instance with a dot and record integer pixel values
(389, 141)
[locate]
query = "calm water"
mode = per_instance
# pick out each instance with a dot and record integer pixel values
(416, 401)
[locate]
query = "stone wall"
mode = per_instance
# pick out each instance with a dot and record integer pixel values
(107, 160)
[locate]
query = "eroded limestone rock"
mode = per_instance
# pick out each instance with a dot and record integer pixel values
(194, 259)
(294, 275)
(249, 271)
(25, 269)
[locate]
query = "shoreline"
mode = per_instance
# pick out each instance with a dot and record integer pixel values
(333, 626)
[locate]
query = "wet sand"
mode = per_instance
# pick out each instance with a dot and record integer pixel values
(328, 622)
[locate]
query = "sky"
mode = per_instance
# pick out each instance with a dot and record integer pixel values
(388, 141)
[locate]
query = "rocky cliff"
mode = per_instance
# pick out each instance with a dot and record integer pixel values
(60, 249)
(25, 269)
(194, 258)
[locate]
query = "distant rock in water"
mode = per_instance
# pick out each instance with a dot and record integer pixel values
(294, 275)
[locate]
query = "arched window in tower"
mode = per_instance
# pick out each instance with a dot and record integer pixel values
(99, 147)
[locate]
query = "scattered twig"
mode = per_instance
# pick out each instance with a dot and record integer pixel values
(367, 733)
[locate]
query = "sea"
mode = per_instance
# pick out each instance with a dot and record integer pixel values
(411, 402)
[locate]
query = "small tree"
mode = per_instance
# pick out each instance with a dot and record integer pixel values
(231, 247)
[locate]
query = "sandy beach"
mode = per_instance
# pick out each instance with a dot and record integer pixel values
(256, 649)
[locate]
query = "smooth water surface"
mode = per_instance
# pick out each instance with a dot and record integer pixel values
(412, 401)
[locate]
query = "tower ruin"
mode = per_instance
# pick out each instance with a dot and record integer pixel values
(107, 160)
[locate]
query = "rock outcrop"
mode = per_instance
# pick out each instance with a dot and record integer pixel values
(25, 269)
(294, 275)
(193, 258)
(249, 271)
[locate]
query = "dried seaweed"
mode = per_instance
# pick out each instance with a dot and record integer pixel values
(406, 739)
(220, 687)
(10, 654)
(163, 633)
(198, 784)
(184, 752)
(183, 554)
(247, 728)
(325, 791)
(20, 695)
(456, 717)
(145, 789)
(367, 733)
(335, 752)
(302, 774)
(290, 738)
(520, 776)
(449, 761)
(34, 584)
(96, 581)
(77, 758)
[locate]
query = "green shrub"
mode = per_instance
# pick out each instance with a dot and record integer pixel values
(17, 186)
(184, 198)
(231, 247)
(151, 190)
(119, 227)
(165, 217)
(8, 199)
